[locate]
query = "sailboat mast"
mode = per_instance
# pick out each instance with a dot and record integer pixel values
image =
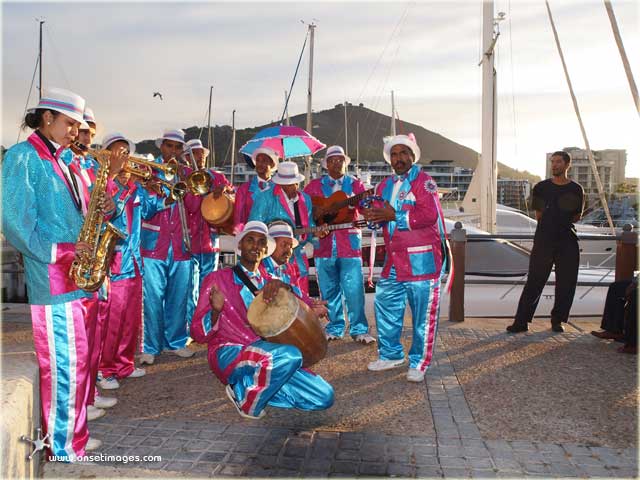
(233, 144)
(286, 108)
(346, 130)
(487, 164)
(312, 28)
(358, 149)
(393, 115)
(212, 157)
(40, 61)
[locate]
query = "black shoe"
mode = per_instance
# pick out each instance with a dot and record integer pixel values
(517, 328)
(557, 327)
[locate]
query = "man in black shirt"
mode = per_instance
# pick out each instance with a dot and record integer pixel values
(558, 203)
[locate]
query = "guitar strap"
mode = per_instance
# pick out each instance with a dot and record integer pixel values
(243, 277)
(296, 212)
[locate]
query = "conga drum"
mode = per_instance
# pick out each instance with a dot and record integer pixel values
(219, 211)
(289, 320)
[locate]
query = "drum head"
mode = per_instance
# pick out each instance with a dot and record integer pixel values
(216, 211)
(270, 319)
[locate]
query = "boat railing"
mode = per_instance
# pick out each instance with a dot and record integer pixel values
(626, 262)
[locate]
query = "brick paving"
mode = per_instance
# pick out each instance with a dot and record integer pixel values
(454, 449)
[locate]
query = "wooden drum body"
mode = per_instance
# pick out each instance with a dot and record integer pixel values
(219, 211)
(289, 320)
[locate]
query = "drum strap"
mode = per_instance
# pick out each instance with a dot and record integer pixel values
(296, 212)
(243, 276)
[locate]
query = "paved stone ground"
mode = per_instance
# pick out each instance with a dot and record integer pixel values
(454, 449)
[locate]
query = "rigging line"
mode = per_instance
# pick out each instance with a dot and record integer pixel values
(293, 80)
(378, 61)
(592, 160)
(204, 120)
(381, 89)
(33, 79)
(56, 56)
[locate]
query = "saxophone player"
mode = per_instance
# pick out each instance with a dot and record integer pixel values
(168, 270)
(42, 214)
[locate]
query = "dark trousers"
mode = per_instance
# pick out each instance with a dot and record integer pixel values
(631, 319)
(565, 255)
(613, 314)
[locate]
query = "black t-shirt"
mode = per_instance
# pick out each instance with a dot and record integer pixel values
(558, 204)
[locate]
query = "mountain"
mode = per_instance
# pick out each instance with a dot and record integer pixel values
(328, 127)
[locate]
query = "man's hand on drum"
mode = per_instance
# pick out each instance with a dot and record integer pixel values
(270, 290)
(319, 307)
(216, 299)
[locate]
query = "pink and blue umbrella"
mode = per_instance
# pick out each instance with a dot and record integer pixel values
(287, 141)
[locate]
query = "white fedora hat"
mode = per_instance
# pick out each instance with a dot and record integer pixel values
(194, 144)
(175, 135)
(63, 101)
(87, 117)
(335, 151)
(287, 174)
(282, 229)
(408, 140)
(117, 137)
(271, 153)
(255, 226)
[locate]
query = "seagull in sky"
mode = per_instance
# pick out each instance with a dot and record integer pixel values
(157, 94)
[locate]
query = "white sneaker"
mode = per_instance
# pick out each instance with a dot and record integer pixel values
(92, 444)
(137, 373)
(147, 358)
(183, 352)
(109, 383)
(104, 402)
(94, 412)
(364, 338)
(415, 375)
(379, 365)
(232, 397)
(331, 336)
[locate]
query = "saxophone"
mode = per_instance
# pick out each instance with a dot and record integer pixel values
(89, 271)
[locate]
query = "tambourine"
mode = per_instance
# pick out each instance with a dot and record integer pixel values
(365, 203)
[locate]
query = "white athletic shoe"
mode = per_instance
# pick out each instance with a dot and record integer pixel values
(94, 413)
(109, 383)
(415, 375)
(93, 444)
(104, 402)
(147, 358)
(379, 365)
(364, 338)
(183, 352)
(232, 397)
(137, 373)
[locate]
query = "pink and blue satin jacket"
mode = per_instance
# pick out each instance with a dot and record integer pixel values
(232, 327)
(346, 243)
(164, 229)
(41, 220)
(244, 200)
(204, 237)
(289, 273)
(134, 204)
(414, 241)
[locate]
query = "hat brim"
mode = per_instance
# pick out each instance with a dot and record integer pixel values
(295, 240)
(299, 178)
(386, 151)
(162, 139)
(271, 243)
(347, 160)
(206, 151)
(74, 116)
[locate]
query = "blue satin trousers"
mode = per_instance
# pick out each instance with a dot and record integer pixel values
(424, 302)
(268, 373)
(203, 264)
(341, 285)
(167, 288)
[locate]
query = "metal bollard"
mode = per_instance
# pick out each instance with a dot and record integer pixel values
(626, 253)
(458, 240)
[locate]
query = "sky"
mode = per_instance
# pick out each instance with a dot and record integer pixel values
(116, 54)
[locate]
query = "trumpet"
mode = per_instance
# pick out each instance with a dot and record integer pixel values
(138, 166)
(141, 167)
(177, 190)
